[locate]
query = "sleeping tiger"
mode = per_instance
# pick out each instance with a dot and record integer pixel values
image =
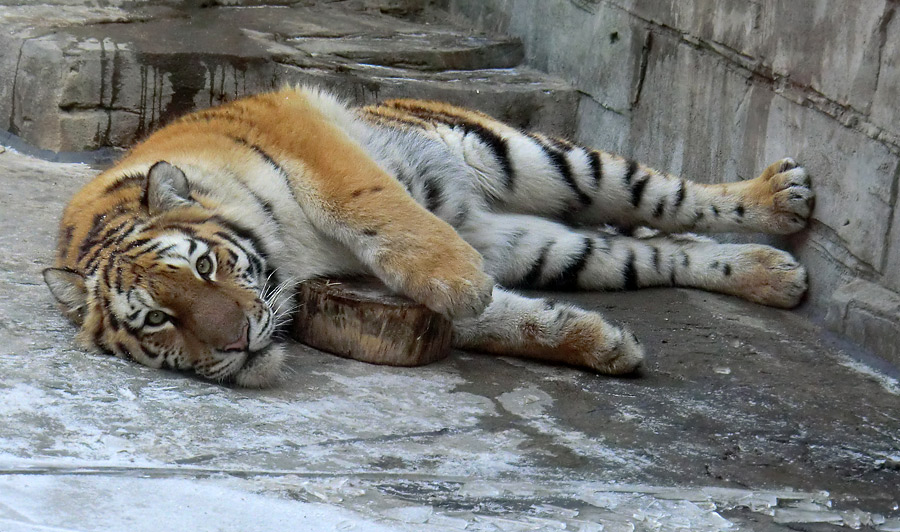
(185, 254)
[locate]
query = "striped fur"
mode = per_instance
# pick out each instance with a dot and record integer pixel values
(184, 254)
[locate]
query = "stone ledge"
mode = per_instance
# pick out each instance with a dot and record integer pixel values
(868, 314)
(105, 77)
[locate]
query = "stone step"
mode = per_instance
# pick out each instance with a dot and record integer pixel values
(75, 78)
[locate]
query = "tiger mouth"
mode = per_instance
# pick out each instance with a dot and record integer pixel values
(261, 368)
(253, 356)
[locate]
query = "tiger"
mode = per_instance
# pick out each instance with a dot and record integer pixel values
(185, 254)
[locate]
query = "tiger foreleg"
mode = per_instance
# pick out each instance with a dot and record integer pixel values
(514, 325)
(350, 198)
(407, 247)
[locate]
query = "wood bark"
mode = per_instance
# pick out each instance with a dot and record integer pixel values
(361, 319)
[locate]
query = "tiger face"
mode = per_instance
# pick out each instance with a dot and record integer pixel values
(184, 290)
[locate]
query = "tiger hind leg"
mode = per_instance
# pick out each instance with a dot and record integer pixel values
(530, 173)
(514, 325)
(532, 252)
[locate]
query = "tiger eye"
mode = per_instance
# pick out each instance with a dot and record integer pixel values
(204, 265)
(156, 317)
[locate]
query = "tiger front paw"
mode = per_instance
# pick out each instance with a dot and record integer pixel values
(456, 296)
(783, 198)
(770, 277)
(446, 277)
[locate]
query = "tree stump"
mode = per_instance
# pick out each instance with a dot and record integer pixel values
(361, 319)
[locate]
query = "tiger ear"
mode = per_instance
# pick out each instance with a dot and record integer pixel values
(68, 288)
(167, 187)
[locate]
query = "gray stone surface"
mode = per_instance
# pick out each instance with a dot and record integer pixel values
(744, 417)
(94, 77)
(715, 90)
(859, 309)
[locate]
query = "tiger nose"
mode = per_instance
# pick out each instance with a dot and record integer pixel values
(242, 341)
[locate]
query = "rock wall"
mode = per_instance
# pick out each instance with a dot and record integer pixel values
(715, 89)
(79, 77)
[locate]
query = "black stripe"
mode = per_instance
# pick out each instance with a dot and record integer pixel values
(242, 232)
(107, 272)
(630, 170)
(433, 194)
(660, 208)
(141, 252)
(568, 278)
(127, 180)
(697, 217)
(679, 196)
(630, 274)
(232, 255)
(537, 268)
(266, 205)
(109, 239)
(151, 354)
(189, 230)
(113, 322)
(656, 258)
(118, 285)
(263, 204)
(66, 238)
(90, 239)
(141, 350)
(497, 145)
(596, 166)
(739, 210)
(490, 139)
(160, 252)
(266, 157)
(192, 247)
(726, 270)
(255, 256)
(122, 350)
(715, 210)
(404, 178)
(561, 163)
(637, 191)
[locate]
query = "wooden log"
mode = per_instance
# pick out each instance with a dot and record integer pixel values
(361, 319)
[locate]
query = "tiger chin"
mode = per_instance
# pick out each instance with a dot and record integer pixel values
(185, 254)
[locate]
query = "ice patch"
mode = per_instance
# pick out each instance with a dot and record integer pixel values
(889, 384)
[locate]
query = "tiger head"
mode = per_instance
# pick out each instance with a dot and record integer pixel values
(184, 288)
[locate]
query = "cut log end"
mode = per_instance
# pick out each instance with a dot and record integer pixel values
(361, 319)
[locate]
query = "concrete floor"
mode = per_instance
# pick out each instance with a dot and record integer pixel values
(745, 418)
